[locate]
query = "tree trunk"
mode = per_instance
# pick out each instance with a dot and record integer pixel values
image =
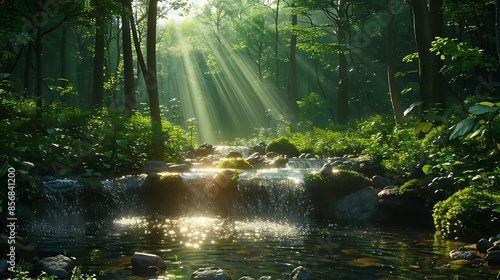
(343, 89)
(428, 64)
(38, 60)
(292, 76)
(152, 84)
(62, 74)
(27, 71)
(98, 77)
(497, 26)
(391, 64)
(128, 67)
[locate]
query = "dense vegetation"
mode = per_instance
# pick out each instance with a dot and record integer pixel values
(95, 86)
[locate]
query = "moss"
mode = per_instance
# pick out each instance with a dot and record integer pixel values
(235, 163)
(467, 214)
(340, 180)
(413, 187)
(283, 146)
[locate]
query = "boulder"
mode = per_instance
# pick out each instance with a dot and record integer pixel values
(59, 266)
(379, 182)
(60, 186)
(358, 206)
(234, 155)
(154, 166)
(462, 254)
(493, 258)
(483, 245)
(301, 273)
(180, 168)
(210, 273)
(147, 264)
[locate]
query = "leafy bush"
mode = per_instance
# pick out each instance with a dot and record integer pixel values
(467, 214)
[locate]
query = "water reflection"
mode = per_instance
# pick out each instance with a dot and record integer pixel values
(258, 247)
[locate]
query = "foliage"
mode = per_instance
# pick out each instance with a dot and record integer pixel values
(235, 163)
(467, 214)
(282, 146)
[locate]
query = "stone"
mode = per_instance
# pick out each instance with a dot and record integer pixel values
(210, 273)
(265, 278)
(234, 155)
(301, 273)
(60, 186)
(154, 166)
(59, 266)
(493, 249)
(483, 245)
(379, 182)
(92, 175)
(388, 193)
(147, 264)
(493, 258)
(358, 206)
(179, 168)
(272, 155)
(462, 254)
(24, 249)
(326, 169)
(246, 278)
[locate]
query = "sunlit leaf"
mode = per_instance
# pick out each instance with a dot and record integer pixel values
(486, 103)
(464, 127)
(427, 169)
(477, 132)
(412, 106)
(479, 109)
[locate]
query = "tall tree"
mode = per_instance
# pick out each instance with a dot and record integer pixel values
(391, 64)
(343, 88)
(427, 25)
(128, 67)
(292, 75)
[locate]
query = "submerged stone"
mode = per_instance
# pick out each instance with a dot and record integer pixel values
(301, 273)
(59, 266)
(210, 273)
(147, 264)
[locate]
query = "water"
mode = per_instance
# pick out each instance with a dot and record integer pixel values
(254, 247)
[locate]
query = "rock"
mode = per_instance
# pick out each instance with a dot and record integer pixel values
(153, 177)
(358, 206)
(272, 155)
(60, 266)
(179, 168)
(326, 169)
(483, 245)
(246, 278)
(154, 166)
(388, 193)
(462, 254)
(234, 155)
(493, 249)
(301, 273)
(147, 264)
(210, 273)
(379, 182)
(92, 175)
(260, 148)
(265, 278)
(4, 265)
(493, 258)
(60, 186)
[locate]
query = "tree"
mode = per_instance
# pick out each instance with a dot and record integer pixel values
(128, 68)
(391, 64)
(292, 75)
(427, 24)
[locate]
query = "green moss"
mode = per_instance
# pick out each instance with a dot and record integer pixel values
(467, 214)
(235, 163)
(339, 179)
(414, 187)
(283, 146)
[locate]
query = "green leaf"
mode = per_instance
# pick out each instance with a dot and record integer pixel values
(122, 143)
(480, 109)
(486, 103)
(412, 106)
(427, 169)
(464, 127)
(108, 154)
(50, 130)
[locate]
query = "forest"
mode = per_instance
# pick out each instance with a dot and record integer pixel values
(104, 86)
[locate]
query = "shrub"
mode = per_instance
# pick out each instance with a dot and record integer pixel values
(467, 214)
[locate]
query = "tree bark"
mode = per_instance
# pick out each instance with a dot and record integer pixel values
(391, 65)
(128, 67)
(428, 63)
(152, 83)
(292, 76)
(98, 76)
(497, 26)
(343, 90)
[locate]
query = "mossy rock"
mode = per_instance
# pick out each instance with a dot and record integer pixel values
(283, 146)
(235, 163)
(342, 182)
(414, 188)
(467, 214)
